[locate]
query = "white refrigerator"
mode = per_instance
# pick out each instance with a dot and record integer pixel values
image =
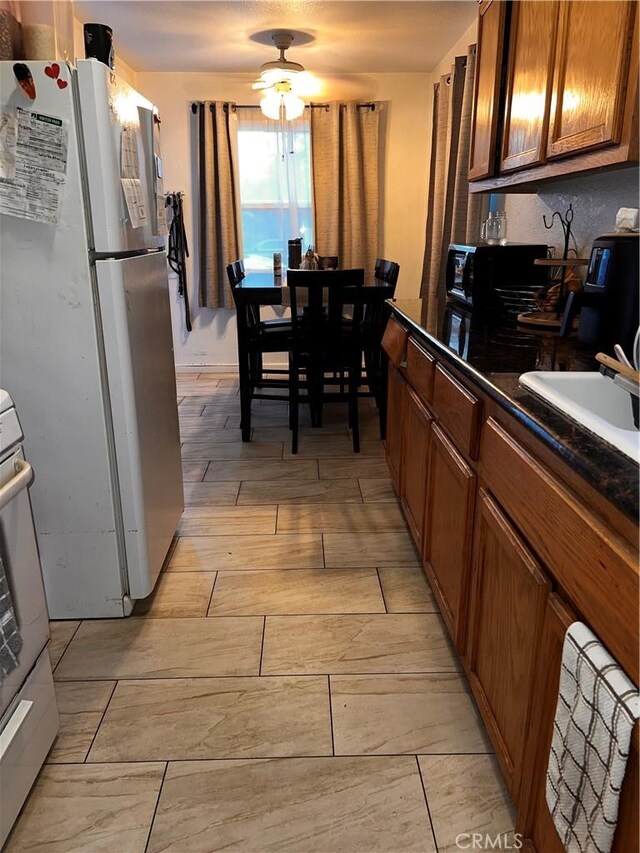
(85, 331)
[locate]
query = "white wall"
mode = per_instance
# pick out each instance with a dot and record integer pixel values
(406, 122)
(458, 49)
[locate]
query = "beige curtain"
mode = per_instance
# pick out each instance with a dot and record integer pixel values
(346, 175)
(219, 211)
(453, 215)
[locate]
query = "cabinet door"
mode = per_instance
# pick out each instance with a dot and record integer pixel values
(529, 78)
(395, 417)
(482, 149)
(448, 530)
(508, 599)
(534, 820)
(591, 75)
(415, 460)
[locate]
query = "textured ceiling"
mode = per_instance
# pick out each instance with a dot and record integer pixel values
(364, 36)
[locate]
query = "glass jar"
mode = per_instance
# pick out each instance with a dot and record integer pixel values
(494, 228)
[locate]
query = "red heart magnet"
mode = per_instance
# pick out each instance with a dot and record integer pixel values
(62, 84)
(52, 70)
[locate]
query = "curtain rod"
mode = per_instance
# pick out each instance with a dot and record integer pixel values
(370, 105)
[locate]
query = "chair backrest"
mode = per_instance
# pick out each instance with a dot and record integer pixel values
(386, 271)
(247, 314)
(235, 273)
(326, 309)
(328, 262)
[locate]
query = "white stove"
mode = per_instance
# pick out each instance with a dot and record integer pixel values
(29, 714)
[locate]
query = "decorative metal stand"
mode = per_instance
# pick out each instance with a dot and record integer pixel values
(546, 318)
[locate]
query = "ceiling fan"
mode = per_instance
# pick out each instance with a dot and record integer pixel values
(284, 82)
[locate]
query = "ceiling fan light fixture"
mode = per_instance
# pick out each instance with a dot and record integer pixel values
(293, 106)
(277, 82)
(281, 99)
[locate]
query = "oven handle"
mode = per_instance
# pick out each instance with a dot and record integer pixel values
(22, 478)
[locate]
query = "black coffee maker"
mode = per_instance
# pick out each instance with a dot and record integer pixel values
(608, 304)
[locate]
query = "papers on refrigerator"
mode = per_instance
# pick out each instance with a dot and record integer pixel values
(136, 205)
(33, 165)
(129, 162)
(8, 130)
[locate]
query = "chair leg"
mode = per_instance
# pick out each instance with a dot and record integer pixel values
(244, 372)
(294, 402)
(383, 376)
(354, 421)
(245, 412)
(315, 389)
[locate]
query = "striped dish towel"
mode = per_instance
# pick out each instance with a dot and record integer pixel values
(10, 639)
(597, 707)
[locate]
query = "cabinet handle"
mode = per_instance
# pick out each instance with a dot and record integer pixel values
(14, 725)
(23, 476)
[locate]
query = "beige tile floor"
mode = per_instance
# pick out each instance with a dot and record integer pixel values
(288, 686)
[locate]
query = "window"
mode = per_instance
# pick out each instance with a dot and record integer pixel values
(275, 186)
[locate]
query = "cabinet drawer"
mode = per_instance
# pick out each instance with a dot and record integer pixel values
(420, 370)
(457, 410)
(394, 341)
(587, 559)
(29, 728)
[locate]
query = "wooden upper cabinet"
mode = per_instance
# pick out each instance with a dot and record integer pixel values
(529, 80)
(592, 70)
(482, 149)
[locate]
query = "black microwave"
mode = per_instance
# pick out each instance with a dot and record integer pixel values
(485, 277)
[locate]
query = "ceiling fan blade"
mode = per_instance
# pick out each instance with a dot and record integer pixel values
(260, 84)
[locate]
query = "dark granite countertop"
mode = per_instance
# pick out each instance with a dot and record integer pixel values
(493, 353)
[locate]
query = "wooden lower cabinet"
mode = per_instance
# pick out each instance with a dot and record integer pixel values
(534, 821)
(448, 531)
(415, 462)
(508, 598)
(395, 418)
(495, 534)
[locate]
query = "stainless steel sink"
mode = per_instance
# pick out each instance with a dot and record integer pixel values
(594, 401)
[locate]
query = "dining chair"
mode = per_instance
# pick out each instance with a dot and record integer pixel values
(328, 262)
(255, 338)
(376, 314)
(326, 327)
(387, 271)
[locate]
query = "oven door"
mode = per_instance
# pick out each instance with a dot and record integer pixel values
(19, 552)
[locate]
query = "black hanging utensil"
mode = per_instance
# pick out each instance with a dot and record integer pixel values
(179, 250)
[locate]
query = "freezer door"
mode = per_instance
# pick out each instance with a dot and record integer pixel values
(119, 145)
(136, 321)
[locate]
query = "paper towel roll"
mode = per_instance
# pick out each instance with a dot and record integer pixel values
(627, 219)
(39, 41)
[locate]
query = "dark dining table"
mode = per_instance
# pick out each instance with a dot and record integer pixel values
(267, 288)
(264, 288)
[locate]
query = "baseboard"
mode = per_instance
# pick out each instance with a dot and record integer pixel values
(222, 368)
(206, 368)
